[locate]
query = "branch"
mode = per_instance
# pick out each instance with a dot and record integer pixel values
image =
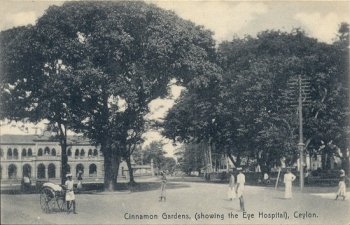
(231, 158)
(322, 100)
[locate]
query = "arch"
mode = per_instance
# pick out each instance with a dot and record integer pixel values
(53, 152)
(92, 170)
(51, 170)
(41, 171)
(79, 167)
(90, 152)
(40, 152)
(9, 153)
(12, 171)
(95, 152)
(76, 152)
(15, 153)
(27, 170)
(69, 152)
(24, 152)
(82, 152)
(30, 152)
(47, 151)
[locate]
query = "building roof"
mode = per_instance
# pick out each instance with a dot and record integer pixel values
(18, 139)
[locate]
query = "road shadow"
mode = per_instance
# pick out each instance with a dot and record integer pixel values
(150, 186)
(232, 209)
(281, 198)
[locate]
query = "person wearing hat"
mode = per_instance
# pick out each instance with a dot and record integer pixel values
(288, 179)
(240, 188)
(341, 186)
(162, 186)
(70, 197)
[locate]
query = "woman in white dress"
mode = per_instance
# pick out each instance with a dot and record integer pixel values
(231, 193)
(342, 186)
(288, 179)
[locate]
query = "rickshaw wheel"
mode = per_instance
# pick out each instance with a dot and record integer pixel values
(47, 198)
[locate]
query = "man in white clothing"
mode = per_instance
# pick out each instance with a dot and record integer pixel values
(70, 197)
(240, 188)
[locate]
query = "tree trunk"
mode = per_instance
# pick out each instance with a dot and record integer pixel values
(111, 165)
(131, 171)
(64, 158)
(108, 176)
(231, 159)
(346, 164)
(64, 163)
(238, 161)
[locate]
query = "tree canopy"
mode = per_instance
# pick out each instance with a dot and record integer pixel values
(97, 65)
(249, 112)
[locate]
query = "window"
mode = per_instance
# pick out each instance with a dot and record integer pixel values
(53, 152)
(95, 152)
(68, 168)
(15, 153)
(9, 153)
(79, 167)
(47, 151)
(24, 152)
(30, 152)
(69, 152)
(40, 152)
(12, 171)
(90, 152)
(1, 152)
(82, 153)
(41, 171)
(76, 152)
(52, 170)
(92, 170)
(27, 170)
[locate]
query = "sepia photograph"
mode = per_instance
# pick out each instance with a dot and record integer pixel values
(175, 112)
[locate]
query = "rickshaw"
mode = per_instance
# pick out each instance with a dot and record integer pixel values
(52, 198)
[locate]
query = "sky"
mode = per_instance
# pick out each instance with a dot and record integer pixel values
(227, 19)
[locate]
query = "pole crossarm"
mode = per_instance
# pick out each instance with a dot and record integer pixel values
(298, 95)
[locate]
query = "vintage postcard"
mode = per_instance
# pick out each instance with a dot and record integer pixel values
(174, 112)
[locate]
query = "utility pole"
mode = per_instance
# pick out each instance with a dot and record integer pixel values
(301, 138)
(301, 86)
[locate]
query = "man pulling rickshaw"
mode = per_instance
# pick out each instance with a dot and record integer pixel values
(70, 197)
(53, 196)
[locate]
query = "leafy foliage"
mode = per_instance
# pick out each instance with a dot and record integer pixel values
(95, 67)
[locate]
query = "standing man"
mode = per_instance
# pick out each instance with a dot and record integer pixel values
(162, 187)
(288, 179)
(70, 197)
(80, 180)
(240, 188)
(231, 194)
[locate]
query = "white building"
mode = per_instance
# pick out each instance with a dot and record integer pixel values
(40, 159)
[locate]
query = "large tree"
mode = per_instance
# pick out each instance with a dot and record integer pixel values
(119, 56)
(35, 84)
(252, 114)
